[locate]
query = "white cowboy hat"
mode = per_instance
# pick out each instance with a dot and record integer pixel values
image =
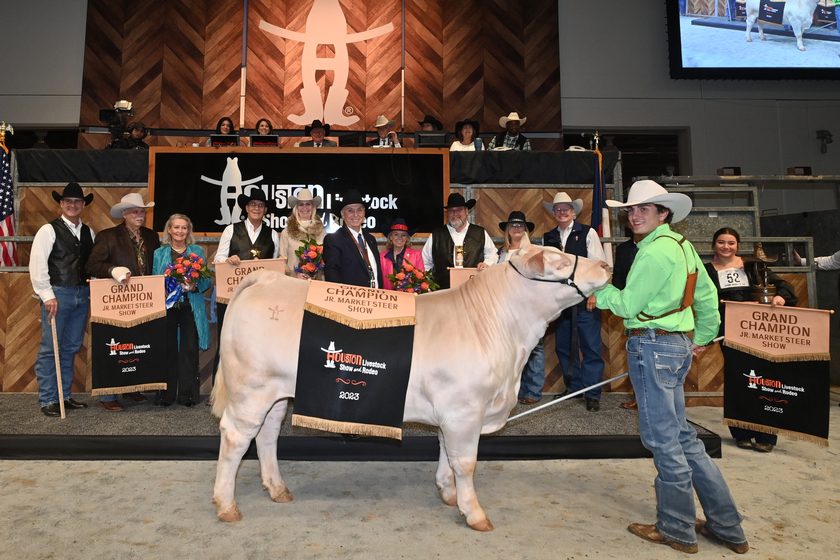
(651, 192)
(382, 120)
(564, 198)
(129, 201)
(304, 195)
(514, 116)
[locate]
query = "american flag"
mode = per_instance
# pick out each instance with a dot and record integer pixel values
(8, 250)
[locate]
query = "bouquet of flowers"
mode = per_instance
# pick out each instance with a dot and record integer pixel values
(183, 271)
(310, 258)
(412, 280)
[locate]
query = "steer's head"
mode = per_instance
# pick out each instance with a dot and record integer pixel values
(548, 264)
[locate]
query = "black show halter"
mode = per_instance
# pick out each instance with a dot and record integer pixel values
(570, 281)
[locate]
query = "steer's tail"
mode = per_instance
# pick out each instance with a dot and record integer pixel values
(219, 395)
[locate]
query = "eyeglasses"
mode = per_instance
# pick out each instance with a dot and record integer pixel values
(516, 226)
(75, 201)
(255, 205)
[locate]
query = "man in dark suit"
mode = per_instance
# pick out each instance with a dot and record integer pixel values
(350, 255)
(317, 131)
(122, 252)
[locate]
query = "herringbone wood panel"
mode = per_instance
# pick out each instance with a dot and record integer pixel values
(179, 62)
(706, 7)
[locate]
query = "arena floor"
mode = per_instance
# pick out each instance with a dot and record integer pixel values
(557, 509)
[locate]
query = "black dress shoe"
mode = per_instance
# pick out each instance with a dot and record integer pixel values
(51, 410)
(73, 404)
(593, 405)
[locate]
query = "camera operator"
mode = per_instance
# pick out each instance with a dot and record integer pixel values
(134, 140)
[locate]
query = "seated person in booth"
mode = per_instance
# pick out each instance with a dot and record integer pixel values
(458, 233)
(511, 139)
(734, 278)
(517, 230)
(398, 250)
(135, 140)
(317, 131)
(668, 296)
(223, 126)
(122, 252)
(187, 329)
(57, 270)
(264, 127)
(304, 226)
(350, 255)
(582, 363)
(245, 240)
(466, 137)
(386, 136)
(430, 124)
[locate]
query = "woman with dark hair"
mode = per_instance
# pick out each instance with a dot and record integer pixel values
(467, 140)
(223, 126)
(734, 278)
(263, 127)
(187, 329)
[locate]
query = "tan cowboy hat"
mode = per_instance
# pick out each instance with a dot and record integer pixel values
(651, 192)
(304, 195)
(564, 198)
(514, 116)
(129, 201)
(382, 120)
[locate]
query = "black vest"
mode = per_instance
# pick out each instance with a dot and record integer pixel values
(68, 258)
(443, 248)
(240, 243)
(575, 244)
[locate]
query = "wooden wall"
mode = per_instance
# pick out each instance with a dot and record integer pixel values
(179, 63)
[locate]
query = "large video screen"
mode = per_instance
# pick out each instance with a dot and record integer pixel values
(754, 39)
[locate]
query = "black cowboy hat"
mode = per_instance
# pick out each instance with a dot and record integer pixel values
(256, 194)
(460, 124)
(456, 200)
(307, 130)
(351, 196)
(517, 217)
(399, 224)
(432, 121)
(73, 190)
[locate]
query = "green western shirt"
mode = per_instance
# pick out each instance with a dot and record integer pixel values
(655, 285)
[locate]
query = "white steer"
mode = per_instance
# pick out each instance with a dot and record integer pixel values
(798, 14)
(470, 345)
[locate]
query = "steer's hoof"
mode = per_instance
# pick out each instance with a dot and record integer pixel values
(229, 515)
(281, 497)
(483, 525)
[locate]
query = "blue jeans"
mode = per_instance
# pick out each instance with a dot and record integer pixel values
(70, 322)
(533, 375)
(587, 370)
(658, 367)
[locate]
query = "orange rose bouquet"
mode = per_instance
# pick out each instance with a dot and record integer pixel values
(182, 271)
(310, 258)
(412, 280)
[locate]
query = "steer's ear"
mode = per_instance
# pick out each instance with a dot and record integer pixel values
(535, 263)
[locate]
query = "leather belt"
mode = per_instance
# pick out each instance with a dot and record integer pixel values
(643, 332)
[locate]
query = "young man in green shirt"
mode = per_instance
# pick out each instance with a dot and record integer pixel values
(669, 294)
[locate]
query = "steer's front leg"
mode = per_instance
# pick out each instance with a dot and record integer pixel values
(462, 449)
(444, 477)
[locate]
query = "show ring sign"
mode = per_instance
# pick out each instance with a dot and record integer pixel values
(128, 335)
(354, 360)
(776, 375)
(229, 276)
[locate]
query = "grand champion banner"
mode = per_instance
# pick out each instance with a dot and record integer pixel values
(229, 276)
(128, 335)
(776, 370)
(354, 360)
